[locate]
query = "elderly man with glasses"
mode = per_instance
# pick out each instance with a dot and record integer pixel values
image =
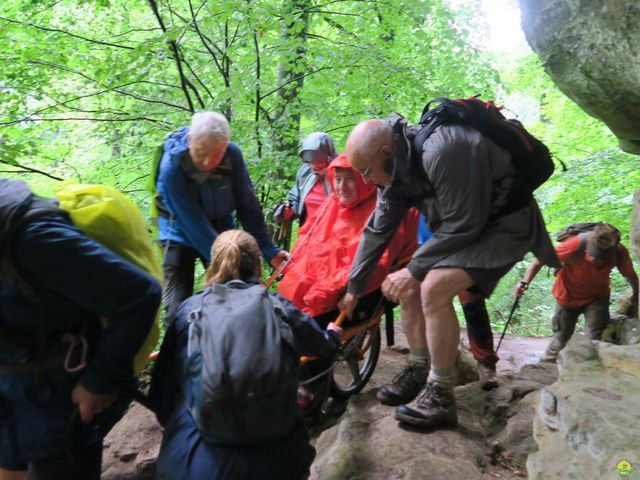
(460, 180)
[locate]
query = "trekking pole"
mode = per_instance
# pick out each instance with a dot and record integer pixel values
(513, 309)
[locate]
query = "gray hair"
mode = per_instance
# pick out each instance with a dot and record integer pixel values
(210, 126)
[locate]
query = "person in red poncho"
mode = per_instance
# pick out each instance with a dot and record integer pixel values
(317, 275)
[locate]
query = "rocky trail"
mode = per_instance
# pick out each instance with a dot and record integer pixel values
(360, 439)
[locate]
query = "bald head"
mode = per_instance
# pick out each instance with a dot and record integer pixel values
(366, 139)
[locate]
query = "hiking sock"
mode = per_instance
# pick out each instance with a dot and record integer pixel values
(419, 356)
(444, 377)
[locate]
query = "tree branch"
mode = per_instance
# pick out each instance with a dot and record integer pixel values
(299, 77)
(257, 112)
(202, 84)
(90, 40)
(134, 30)
(115, 89)
(29, 170)
(176, 55)
(68, 119)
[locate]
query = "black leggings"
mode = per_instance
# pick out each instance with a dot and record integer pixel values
(85, 464)
(178, 267)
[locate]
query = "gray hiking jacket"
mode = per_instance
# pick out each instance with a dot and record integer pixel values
(306, 178)
(461, 189)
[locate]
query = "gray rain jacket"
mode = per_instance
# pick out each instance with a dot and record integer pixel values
(461, 185)
(306, 178)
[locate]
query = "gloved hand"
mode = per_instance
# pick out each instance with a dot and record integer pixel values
(288, 213)
(283, 212)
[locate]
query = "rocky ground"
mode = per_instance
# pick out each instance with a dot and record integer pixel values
(368, 444)
(492, 441)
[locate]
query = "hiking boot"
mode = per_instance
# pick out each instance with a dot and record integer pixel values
(435, 406)
(552, 351)
(488, 376)
(405, 386)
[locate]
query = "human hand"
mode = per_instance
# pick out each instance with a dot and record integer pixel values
(348, 303)
(281, 256)
(89, 404)
(288, 213)
(398, 284)
(521, 287)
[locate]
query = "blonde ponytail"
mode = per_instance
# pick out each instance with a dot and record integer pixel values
(234, 256)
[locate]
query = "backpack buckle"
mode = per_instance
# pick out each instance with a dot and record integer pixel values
(74, 342)
(194, 315)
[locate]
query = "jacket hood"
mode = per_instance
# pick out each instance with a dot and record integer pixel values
(177, 141)
(365, 190)
(14, 196)
(319, 141)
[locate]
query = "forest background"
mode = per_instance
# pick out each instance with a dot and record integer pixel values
(91, 88)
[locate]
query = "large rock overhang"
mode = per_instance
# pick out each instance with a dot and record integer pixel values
(591, 50)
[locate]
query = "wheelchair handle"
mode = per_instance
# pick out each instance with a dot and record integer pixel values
(340, 320)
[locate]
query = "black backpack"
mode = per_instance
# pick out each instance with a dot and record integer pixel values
(242, 366)
(531, 158)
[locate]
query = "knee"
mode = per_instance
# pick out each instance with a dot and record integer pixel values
(434, 295)
(409, 299)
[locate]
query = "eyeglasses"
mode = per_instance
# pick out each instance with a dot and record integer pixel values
(366, 171)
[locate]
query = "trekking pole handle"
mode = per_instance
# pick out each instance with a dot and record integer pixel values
(277, 272)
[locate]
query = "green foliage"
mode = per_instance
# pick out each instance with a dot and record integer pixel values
(90, 89)
(598, 185)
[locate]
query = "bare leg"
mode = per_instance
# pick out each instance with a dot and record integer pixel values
(435, 405)
(413, 320)
(438, 289)
(406, 385)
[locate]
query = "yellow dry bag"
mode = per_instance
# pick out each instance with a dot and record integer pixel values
(109, 217)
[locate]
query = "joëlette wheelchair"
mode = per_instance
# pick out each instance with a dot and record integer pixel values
(354, 363)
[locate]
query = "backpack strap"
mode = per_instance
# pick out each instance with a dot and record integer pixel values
(579, 252)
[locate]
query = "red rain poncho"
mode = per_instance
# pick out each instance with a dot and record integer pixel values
(317, 276)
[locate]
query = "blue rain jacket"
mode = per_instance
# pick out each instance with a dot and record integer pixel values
(201, 204)
(78, 281)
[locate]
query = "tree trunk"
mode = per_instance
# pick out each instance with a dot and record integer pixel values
(635, 225)
(286, 119)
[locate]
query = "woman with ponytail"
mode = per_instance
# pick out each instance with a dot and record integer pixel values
(187, 450)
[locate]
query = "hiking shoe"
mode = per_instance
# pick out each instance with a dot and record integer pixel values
(405, 386)
(552, 351)
(549, 357)
(488, 376)
(435, 406)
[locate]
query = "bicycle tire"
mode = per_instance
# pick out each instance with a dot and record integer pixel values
(339, 389)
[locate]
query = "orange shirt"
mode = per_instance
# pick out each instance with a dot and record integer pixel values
(581, 282)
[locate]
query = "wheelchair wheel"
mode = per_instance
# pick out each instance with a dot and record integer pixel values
(355, 363)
